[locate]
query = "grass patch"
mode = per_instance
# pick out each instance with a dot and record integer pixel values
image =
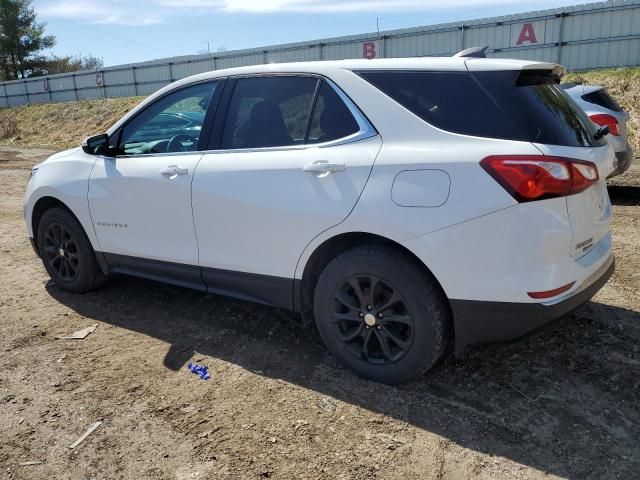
(61, 125)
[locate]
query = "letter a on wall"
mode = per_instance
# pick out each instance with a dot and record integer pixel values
(530, 33)
(527, 34)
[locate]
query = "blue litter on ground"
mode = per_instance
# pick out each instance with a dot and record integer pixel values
(200, 370)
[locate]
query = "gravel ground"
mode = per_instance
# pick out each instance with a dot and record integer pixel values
(564, 403)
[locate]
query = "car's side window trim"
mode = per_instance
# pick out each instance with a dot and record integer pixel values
(217, 125)
(312, 110)
(366, 128)
(206, 126)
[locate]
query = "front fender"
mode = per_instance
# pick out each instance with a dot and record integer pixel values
(64, 178)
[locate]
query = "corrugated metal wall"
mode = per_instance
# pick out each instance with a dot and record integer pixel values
(581, 37)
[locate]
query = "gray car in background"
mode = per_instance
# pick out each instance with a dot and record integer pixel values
(602, 109)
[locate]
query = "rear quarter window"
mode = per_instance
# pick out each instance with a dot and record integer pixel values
(513, 105)
(451, 101)
(540, 109)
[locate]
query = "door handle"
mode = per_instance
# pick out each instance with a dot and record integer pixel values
(324, 167)
(173, 171)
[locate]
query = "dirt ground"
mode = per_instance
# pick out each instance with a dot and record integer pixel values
(564, 403)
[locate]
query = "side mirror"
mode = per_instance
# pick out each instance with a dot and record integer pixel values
(97, 145)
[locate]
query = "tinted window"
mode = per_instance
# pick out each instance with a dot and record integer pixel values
(171, 124)
(541, 110)
(268, 112)
(331, 117)
(451, 101)
(603, 99)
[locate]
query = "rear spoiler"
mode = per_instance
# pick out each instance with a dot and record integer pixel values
(529, 77)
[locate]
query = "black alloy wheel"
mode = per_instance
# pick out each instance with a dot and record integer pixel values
(66, 252)
(372, 319)
(381, 313)
(61, 251)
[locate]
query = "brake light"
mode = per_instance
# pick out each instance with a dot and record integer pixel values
(536, 177)
(603, 119)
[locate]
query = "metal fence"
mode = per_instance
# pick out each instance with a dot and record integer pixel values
(581, 37)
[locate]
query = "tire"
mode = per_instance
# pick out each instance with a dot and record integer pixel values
(66, 252)
(409, 313)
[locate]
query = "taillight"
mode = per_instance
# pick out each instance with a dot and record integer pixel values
(536, 177)
(603, 119)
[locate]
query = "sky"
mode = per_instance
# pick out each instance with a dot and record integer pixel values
(126, 31)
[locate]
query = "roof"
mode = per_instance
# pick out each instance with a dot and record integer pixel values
(418, 63)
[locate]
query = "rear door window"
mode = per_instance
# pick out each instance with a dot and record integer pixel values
(282, 111)
(269, 112)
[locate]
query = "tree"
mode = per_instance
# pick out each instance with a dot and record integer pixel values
(54, 64)
(21, 38)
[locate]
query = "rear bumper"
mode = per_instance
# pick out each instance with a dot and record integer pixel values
(483, 321)
(623, 162)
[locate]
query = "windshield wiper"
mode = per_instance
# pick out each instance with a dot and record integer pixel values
(601, 132)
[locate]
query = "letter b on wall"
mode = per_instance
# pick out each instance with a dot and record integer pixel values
(369, 50)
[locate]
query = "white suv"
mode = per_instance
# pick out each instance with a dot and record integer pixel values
(401, 203)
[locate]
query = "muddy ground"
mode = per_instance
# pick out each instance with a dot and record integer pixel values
(565, 403)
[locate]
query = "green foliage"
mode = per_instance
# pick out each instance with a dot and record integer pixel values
(21, 38)
(54, 64)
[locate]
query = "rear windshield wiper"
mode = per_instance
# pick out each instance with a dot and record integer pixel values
(601, 132)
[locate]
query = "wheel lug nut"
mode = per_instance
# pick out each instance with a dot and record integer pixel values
(379, 315)
(379, 327)
(361, 315)
(368, 307)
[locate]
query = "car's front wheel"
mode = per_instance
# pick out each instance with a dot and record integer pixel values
(66, 252)
(380, 314)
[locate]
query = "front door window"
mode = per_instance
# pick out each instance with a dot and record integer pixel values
(171, 124)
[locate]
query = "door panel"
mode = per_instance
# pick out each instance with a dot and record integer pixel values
(255, 211)
(140, 201)
(138, 211)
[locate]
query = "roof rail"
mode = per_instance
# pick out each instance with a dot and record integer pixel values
(474, 52)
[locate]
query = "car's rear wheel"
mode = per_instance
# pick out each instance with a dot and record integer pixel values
(66, 252)
(380, 314)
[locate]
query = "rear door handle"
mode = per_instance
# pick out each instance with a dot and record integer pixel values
(324, 167)
(173, 171)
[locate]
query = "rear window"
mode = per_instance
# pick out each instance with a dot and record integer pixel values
(540, 109)
(603, 99)
(452, 101)
(512, 105)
